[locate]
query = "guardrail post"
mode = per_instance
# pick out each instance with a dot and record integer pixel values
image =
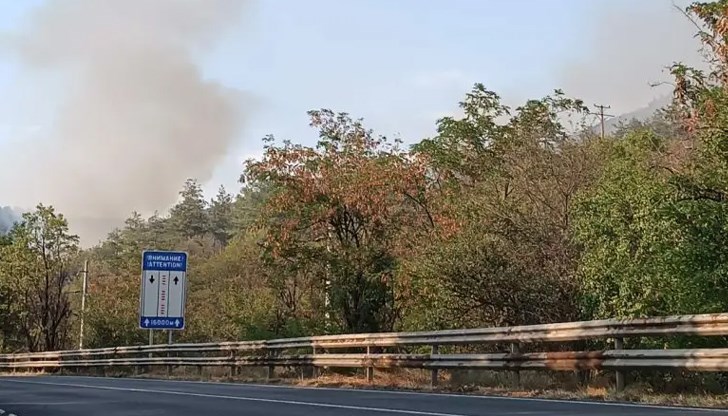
(169, 354)
(314, 369)
(233, 367)
(434, 375)
(151, 340)
(515, 349)
(618, 345)
(370, 369)
(271, 367)
(61, 368)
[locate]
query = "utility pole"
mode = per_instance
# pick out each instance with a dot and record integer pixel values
(327, 282)
(83, 302)
(601, 109)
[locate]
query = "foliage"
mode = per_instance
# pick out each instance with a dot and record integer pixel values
(189, 216)
(336, 211)
(233, 287)
(508, 259)
(221, 217)
(35, 269)
(625, 227)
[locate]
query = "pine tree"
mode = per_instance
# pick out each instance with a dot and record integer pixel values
(189, 217)
(221, 216)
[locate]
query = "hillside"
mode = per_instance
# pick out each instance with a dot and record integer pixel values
(641, 114)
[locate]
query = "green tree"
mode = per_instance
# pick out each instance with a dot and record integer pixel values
(221, 216)
(8, 330)
(189, 216)
(625, 229)
(249, 203)
(231, 297)
(5, 239)
(36, 269)
(505, 181)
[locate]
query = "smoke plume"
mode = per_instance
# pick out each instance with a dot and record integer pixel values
(8, 217)
(628, 48)
(137, 117)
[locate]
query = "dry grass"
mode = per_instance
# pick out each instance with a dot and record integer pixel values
(401, 379)
(530, 385)
(21, 374)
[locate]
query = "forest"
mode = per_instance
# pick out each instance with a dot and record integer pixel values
(506, 216)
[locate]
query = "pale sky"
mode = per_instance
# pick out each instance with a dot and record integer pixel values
(399, 64)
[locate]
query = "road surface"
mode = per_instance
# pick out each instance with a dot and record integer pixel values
(87, 396)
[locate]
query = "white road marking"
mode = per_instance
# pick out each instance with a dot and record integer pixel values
(36, 403)
(423, 393)
(2, 412)
(250, 399)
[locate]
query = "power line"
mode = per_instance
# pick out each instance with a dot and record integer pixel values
(601, 109)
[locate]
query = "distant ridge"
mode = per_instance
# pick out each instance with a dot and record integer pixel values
(641, 114)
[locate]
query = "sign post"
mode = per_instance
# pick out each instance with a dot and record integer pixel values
(163, 290)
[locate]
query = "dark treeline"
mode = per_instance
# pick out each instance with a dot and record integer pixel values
(506, 216)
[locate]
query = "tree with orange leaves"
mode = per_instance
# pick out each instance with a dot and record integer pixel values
(344, 210)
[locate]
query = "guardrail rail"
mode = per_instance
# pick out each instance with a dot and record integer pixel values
(384, 350)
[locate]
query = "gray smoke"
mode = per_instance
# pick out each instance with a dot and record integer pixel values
(8, 217)
(627, 48)
(138, 117)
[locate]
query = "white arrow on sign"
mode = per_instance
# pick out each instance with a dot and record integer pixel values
(146, 322)
(150, 293)
(176, 322)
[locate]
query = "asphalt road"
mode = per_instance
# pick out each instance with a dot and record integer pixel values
(86, 396)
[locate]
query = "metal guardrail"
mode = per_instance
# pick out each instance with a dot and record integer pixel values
(316, 351)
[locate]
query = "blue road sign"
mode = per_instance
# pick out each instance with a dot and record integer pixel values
(155, 322)
(163, 290)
